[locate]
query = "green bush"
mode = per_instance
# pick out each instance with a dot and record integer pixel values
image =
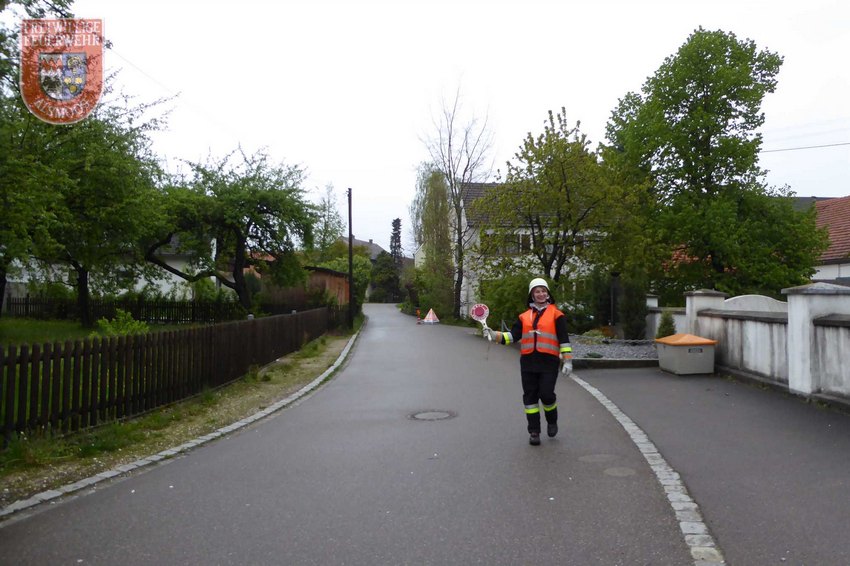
(505, 297)
(434, 291)
(666, 326)
(122, 325)
(596, 334)
(379, 295)
(51, 290)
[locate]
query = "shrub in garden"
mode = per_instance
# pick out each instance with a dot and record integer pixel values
(666, 326)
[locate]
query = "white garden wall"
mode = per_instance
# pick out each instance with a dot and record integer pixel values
(797, 345)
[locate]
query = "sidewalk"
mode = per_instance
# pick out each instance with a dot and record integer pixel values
(770, 472)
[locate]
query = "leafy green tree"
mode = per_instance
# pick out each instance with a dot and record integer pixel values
(557, 194)
(385, 279)
(430, 211)
(110, 206)
(237, 217)
(77, 198)
(328, 230)
(28, 187)
(633, 309)
(692, 136)
(28, 183)
(386, 273)
(598, 295)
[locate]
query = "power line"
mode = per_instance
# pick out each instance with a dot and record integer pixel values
(805, 147)
(168, 89)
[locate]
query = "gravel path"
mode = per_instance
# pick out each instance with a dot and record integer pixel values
(584, 347)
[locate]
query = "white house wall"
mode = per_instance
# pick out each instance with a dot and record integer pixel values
(166, 284)
(832, 271)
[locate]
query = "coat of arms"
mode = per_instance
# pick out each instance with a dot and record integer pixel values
(61, 68)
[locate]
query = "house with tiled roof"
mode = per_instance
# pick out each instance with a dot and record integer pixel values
(471, 192)
(373, 248)
(472, 219)
(834, 215)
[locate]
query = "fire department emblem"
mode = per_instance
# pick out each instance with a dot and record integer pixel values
(61, 68)
(62, 75)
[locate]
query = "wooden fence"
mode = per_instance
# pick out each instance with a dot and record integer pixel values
(75, 385)
(156, 311)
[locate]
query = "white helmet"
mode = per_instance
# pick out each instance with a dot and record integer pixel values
(538, 282)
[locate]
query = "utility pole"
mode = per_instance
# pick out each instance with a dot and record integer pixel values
(350, 267)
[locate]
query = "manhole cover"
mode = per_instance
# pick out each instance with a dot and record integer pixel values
(432, 415)
(619, 472)
(595, 458)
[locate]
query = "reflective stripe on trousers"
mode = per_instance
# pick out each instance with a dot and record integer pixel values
(531, 410)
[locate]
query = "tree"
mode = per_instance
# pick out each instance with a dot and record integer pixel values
(385, 279)
(328, 229)
(692, 135)
(28, 187)
(386, 273)
(239, 217)
(429, 212)
(28, 183)
(109, 203)
(78, 198)
(395, 244)
(15, 10)
(556, 193)
(460, 152)
(633, 309)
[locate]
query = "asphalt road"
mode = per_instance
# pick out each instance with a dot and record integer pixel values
(770, 472)
(346, 476)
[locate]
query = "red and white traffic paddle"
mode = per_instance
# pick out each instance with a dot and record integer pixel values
(479, 312)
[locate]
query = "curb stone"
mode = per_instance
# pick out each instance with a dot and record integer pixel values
(703, 548)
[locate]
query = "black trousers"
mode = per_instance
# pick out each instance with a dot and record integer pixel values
(539, 386)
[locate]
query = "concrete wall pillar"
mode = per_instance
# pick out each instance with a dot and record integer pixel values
(696, 301)
(806, 303)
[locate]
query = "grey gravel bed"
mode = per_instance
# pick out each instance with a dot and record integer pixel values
(613, 349)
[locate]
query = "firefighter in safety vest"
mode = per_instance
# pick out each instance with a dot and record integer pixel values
(544, 345)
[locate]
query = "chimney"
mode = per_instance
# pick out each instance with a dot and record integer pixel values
(370, 241)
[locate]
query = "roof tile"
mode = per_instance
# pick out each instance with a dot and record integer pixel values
(834, 215)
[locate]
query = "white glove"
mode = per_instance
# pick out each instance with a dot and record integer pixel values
(567, 367)
(491, 335)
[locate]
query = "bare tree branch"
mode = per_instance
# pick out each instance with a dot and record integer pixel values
(459, 150)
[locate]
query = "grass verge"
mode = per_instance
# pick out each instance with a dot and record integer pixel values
(30, 465)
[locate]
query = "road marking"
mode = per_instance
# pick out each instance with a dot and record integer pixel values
(704, 549)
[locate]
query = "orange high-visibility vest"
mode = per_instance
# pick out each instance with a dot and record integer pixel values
(544, 338)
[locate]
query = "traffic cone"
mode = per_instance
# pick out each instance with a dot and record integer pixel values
(431, 317)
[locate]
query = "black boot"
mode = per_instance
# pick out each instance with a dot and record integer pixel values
(551, 420)
(534, 439)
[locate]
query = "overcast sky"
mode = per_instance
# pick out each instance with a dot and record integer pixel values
(349, 89)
